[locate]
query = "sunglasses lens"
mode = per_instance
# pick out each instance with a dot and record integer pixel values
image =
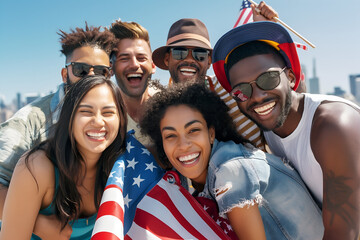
(179, 53)
(80, 69)
(241, 92)
(268, 80)
(200, 54)
(101, 70)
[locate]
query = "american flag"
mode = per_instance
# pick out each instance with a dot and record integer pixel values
(245, 14)
(140, 202)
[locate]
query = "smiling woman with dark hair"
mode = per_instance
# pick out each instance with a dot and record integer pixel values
(66, 174)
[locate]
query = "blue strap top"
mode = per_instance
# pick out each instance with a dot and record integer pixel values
(82, 227)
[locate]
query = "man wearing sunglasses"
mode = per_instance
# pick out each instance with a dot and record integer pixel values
(86, 52)
(187, 56)
(319, 134)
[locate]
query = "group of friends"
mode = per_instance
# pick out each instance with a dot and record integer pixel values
(280, 164)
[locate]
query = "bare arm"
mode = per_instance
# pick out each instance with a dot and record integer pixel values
(23, 202)
(247, 222)
(335, 140)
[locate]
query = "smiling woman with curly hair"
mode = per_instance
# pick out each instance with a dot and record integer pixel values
(260, 195)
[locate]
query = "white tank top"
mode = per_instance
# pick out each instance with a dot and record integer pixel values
(296, 147)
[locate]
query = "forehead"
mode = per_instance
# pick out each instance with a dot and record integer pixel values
(180, 114)
(90, 55)
(251, 67)
(100, 94)
(126, 46)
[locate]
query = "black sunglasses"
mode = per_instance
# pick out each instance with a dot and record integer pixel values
(180, 53)
(80, 69)
(265, 81)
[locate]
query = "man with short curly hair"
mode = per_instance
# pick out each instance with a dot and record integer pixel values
(87, 53)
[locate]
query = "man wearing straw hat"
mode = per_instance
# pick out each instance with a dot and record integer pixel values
(257, 64)
(187, 56)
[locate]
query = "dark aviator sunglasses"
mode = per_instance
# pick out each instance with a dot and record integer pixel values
(180, 53)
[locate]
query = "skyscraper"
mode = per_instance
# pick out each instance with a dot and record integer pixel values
(314, 81)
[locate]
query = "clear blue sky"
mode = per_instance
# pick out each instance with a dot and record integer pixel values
(30, 59)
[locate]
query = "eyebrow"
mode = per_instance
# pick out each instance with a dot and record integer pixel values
(186, 125)
(89, 106)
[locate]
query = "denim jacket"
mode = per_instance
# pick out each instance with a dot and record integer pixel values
(239, 176)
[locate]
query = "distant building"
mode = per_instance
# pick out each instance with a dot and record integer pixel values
(19, 103)
(338, 91)
(314, 86)
(30, 97)
(354, 86)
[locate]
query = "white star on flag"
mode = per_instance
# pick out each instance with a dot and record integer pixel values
(129, 147)
(119, 180)
(131, 163)
(145, 151)
(127, 200)
(121, 165)
(150, 166)
(112, 174)
(138, 180)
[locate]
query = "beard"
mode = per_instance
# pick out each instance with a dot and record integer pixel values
(68, 83)
(281, 118)
(174, 73)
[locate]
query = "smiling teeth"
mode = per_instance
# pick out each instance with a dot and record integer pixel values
(96, 135)
(189, 157)
(188, 70)
(265, 109)
(134, 75)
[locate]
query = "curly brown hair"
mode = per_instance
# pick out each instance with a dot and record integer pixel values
(90, 36)
(196, 96)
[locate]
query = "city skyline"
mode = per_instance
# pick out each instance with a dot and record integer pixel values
(31, 61)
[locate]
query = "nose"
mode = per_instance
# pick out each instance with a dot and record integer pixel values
(91, 71)
(189, 57)
(184, 143)
(98, 120)
(134, 63)
(257, 93)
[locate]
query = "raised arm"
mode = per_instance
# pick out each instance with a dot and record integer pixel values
(335, 141)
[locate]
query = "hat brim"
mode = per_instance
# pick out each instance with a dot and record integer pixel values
(269, 32)
(158, 55)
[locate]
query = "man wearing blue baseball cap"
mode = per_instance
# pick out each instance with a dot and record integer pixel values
(257, 64)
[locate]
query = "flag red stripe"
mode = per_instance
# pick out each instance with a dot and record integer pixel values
(238, 20)
(104, 235)
(165, 200)
(126, 237)
(111, 208)
(113, 186)
(247, 18)
(203, 214)
(156, 226)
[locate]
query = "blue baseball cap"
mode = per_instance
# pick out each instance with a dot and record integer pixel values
(269, 32)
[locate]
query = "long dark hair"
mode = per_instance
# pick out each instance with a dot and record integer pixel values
(196, 96)
(61, 149)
